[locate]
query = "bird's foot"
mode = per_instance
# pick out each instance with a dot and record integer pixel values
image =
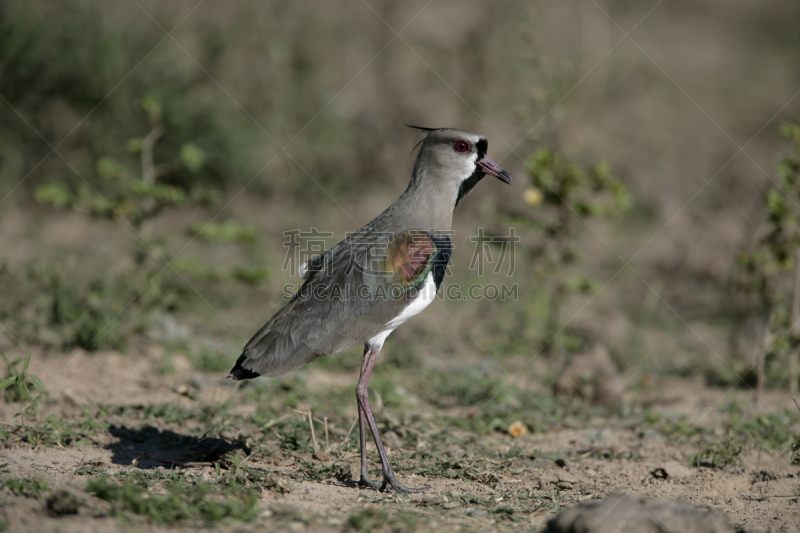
(390, 482)
(395, 485)
(365, 481)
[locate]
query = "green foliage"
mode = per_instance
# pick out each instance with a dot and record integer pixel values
(73, 59)
(208, 360)
(776, 252)
(182, 501)
(587, 192)
(62, 63)
(56, 431)
(718, 454)
(295, 437)
(120, 193)
(794, 451)
(43, 307)
(192, 157)
(89, 316)
(89, 469)
(228, 231)
(564, 194)
(170, 413)
(110, 168)
(250, 275)
(370, 519)
(29, 486)
(772, 269)
(153, 108)
(54, 193)
(767, 431)
(17, 384)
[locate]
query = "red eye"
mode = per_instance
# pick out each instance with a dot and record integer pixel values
(461, 146)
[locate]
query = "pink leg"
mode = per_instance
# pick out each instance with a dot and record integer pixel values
(365, 418)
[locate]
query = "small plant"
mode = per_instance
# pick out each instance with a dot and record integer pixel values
(157, 174)
(794, 451)
(18, 384)
(771, 271)
(794, 446)
(29, 486)
(565, 193)
(55, 431)
(182, 501)
(369, 519)
(208, 360)
(45, 307)
(135, 196)
(766, 431)
(228, 231)
(718, 454)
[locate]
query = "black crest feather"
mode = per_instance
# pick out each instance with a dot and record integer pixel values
(420, 128)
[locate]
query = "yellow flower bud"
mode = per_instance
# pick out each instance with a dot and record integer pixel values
(533, 196)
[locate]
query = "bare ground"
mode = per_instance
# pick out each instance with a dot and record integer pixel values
(477, 481)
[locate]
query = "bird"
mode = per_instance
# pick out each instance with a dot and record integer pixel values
(376, 279)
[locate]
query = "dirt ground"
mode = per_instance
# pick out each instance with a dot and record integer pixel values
(511, 483)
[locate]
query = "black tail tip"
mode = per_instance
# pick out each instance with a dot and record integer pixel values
(240, 372)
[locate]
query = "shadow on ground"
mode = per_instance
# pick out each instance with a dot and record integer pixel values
(150, 447)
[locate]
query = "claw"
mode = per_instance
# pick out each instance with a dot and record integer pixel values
(390, 482)
(396, 486)
(365, 481)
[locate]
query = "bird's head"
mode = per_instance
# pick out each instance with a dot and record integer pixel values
(454, 160)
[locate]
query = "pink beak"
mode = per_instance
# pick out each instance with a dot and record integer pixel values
(493, 169)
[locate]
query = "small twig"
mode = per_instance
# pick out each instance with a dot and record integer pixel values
(767, 342)
(148, 142)
(794, 329)
(327, 442)
(274, 421)
(313, 436)
(349, 431)
(795, 403)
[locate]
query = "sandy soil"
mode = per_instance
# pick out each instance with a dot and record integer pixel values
(760, 493)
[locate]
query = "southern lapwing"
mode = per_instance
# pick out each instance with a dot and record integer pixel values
(376, 279)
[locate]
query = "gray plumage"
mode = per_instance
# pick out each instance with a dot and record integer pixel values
(349, 292)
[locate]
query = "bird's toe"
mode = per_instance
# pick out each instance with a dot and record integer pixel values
(395, 485)
(367, 482)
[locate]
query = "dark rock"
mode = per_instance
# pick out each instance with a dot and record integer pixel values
(62, 503)
(625, 513)
(659, 473)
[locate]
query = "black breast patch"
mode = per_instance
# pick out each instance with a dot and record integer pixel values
(440, 261)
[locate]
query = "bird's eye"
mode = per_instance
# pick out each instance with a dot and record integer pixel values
(461, 146)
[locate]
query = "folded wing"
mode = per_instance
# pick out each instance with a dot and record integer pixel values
(350, 293)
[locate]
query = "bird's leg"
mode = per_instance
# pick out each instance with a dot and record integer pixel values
(362, 429)
(362, 420)
(365, 414)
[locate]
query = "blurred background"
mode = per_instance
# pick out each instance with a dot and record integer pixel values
(152, 155)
